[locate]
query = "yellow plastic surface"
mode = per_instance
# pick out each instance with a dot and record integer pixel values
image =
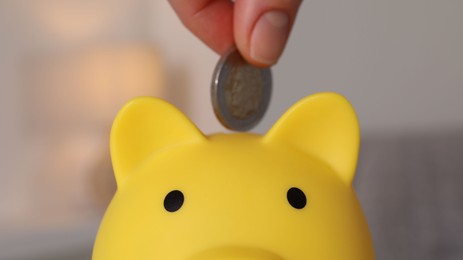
(235, 187)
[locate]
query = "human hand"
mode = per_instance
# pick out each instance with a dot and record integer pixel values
(258, 28)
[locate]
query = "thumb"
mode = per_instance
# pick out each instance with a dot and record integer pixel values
(262, 28)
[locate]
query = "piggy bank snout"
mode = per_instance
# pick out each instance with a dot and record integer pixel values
(236, 253)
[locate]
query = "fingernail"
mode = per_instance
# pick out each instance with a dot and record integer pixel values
(269, 37)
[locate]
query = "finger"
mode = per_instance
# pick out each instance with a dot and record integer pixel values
(210, 20)
(262, 28)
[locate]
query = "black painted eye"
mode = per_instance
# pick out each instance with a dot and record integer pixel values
(296, 198)
(173, 201)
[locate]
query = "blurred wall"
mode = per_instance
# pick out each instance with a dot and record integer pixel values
(399, 62)
(66, 69)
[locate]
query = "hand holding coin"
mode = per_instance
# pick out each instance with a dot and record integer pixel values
(258, 28)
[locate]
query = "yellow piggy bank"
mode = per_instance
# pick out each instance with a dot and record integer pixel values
(186, 196)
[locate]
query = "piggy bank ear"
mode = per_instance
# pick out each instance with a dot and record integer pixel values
(144, 126)
(325, 126)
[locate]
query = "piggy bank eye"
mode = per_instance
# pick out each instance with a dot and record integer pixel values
(296, 198)
(173, 201)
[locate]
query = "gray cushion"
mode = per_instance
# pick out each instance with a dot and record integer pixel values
(411, 189)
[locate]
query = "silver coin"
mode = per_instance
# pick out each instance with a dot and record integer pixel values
(240, 92)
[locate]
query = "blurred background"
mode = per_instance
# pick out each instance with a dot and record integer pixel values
(67, 67)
